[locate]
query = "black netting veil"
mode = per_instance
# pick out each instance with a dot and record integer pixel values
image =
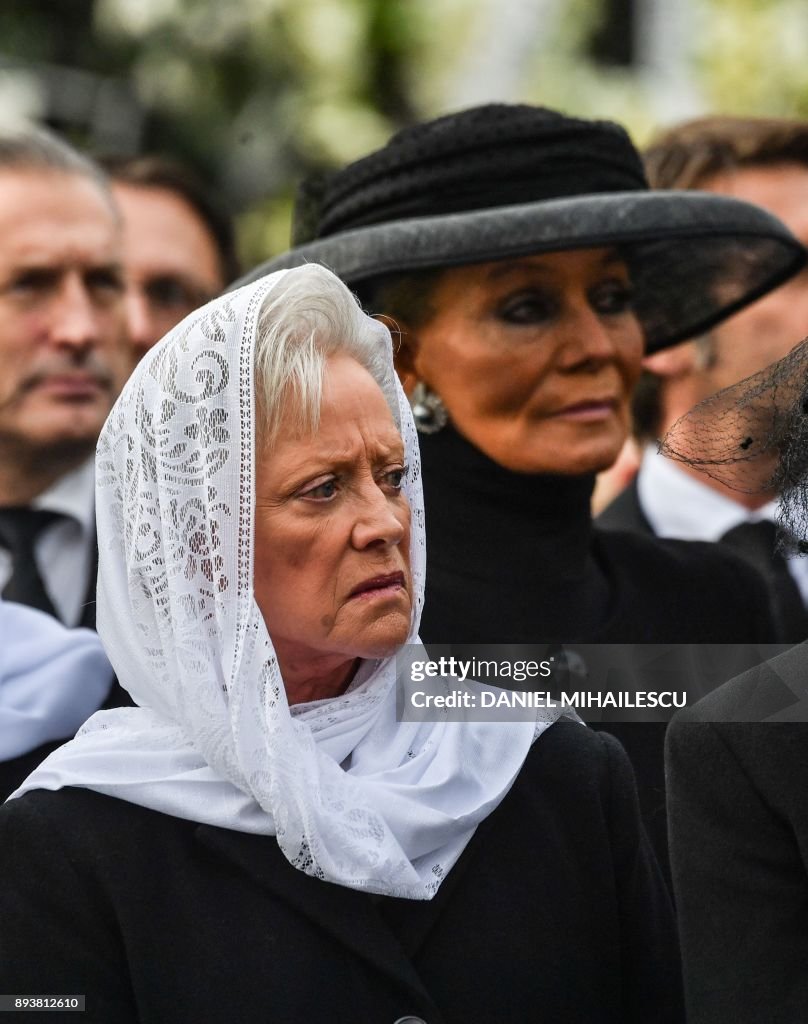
(685, 286)
(753, 438)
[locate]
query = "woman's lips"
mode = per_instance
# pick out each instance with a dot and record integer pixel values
(589, 411)
(379, 586)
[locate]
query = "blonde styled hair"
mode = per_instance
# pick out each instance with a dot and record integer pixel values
(308, 317)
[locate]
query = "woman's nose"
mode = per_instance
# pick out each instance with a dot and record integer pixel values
(587, 341)
(378, 522)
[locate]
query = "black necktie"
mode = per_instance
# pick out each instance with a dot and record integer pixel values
(19, 529)
(757, 543)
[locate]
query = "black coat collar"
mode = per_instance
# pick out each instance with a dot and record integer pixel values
(358, 921)
(625, 513)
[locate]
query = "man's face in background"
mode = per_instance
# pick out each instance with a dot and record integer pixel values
(63, 356)
(171, 261)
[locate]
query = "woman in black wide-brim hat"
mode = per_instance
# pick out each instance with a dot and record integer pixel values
(528, 268)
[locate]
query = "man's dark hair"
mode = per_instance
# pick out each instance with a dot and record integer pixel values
(687, 156)
(160, 172)
(690, 153)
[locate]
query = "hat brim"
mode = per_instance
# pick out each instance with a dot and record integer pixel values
(695, 258)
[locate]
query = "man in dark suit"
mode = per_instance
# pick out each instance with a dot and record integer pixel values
(63, 359)
(737, 767)
(765, 162)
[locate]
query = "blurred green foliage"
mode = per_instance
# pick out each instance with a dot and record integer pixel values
(255, 93)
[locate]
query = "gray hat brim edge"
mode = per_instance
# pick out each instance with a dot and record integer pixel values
(583, 221)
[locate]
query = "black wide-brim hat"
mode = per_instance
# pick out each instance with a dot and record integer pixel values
(501, 182)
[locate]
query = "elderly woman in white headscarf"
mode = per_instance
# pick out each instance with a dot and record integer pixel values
(260, 838)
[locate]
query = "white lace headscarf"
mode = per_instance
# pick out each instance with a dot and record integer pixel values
(352, 795)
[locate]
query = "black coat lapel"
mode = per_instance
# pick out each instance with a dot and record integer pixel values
(412, 920)
(625, 513)
(351, 917)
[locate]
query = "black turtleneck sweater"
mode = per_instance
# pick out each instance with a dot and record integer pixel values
(515, 558)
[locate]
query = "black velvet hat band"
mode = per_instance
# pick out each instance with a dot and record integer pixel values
(496, 155)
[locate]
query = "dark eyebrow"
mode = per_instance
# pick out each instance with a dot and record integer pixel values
(114, 268)
(47, 269)
(39, 274)
(613, 256)
(505, 268)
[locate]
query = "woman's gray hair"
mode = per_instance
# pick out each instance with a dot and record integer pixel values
(309, 316)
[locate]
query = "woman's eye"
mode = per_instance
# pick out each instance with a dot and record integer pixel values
(394, 478)
(169, 292)
(321, 492)
(613, 298)
(528, 308)
(105, 282)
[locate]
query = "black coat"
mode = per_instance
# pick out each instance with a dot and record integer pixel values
(555, 912)
(626, 513)
(738, 806)
(16, 770)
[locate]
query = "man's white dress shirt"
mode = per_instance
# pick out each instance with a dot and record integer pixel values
(677, 504)
(65, 550)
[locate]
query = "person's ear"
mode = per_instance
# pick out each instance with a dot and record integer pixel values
(405, 347)
(673, 363)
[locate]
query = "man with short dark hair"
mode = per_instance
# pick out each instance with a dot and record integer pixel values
(764, 161)
(179, 248)
(63, 360)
